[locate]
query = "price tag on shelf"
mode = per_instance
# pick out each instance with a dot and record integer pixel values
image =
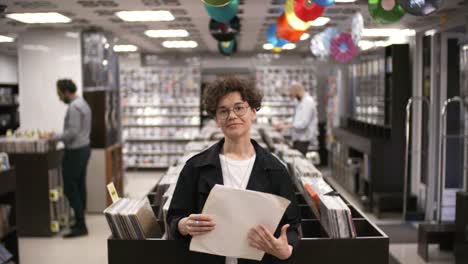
(54, 226)
(112, 192)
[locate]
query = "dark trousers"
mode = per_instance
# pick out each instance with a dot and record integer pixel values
(302, 146)
(74, 166)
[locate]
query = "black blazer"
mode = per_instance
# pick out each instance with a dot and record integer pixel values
(203, 171)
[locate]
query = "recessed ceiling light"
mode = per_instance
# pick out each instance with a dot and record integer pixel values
(305, 36)
(167, 33)
(39, 18)
(268, 46)
(465, 47)
(4, 39)
(180, 44)
(319, 21)
(125, 48)
(289, 46)
(387, 32)
(430, 32)
(148, 15)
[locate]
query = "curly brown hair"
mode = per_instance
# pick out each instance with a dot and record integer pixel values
(230, 84)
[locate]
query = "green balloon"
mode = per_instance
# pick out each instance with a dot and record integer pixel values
(217, 3)
(383, 16)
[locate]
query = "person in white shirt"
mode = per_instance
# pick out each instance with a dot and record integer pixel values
(236, 161)
(304, 128)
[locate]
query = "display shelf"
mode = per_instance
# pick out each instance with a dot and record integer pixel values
(160, 115)
(36, 175)
(166, 92)
(8, 196)
(163, 125)
(162, 106)
(155, 153)
(9, 114)
(158, 139)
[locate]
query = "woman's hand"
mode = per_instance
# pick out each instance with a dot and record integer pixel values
(196, 224)
(262, 239)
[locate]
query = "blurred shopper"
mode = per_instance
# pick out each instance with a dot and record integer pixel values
(304, 128)
(76, 131)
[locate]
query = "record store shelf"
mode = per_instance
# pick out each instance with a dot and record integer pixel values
(369, 247)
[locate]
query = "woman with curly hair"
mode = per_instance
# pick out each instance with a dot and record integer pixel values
(236, 161)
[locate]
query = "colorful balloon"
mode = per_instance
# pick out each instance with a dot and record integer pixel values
(385, 11)
(285, 31)
(272, 37)
(307, 10)
(217, 3)
(293, 20)
(224, 31)
(342, 47)
(224, 13)
(420, 7)
(227, 48)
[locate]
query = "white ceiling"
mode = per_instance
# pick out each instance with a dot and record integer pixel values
(256, 16)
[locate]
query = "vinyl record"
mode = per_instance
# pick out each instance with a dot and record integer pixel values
(285, 31)
(224, 13)
(272, 38)
(357, 26)
(385, 11)
(227, 48)
(217, 3)
(293, 20)
(224, 31)
(420, 7)
(342, 47)
(322, 3)
(307, 11)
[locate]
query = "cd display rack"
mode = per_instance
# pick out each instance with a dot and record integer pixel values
(160, 114)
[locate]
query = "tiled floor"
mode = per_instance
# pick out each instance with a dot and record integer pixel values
(93, 248)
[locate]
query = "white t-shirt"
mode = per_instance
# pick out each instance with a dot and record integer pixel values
(236, 174)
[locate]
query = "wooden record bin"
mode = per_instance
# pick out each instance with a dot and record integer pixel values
(370, 246)
(9, 238)
(42, 209)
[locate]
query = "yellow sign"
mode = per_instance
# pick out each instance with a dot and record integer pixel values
(112, 192)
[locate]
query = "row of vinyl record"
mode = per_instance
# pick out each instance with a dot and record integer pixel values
(59, 207)
(148, 121)
(160, 132)
(334, 215)
(155, 147)
(132, 219)
(25, 145)
(156, 110)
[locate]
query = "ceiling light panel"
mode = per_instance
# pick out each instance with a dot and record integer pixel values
(180, 44)
(167, 33)
(4, 39)
(39, 18)
(125, 48)
(387, 32)
(144, 16)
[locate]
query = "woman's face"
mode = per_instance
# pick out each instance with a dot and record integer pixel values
(234, 116)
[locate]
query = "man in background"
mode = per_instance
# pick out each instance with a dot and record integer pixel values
(304, 128)
(76, 131)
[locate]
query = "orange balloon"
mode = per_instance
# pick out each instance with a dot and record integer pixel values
(285, 31)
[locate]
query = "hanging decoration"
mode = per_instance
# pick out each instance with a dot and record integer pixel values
(293, 20)
(227, 48)
(216, 3)
(224, 13)
(320, 43)
(273, 39)
(342, 47)
(224, 31)
(385, 11)
(307, 10)
(357, 26)
(322, 3)
(285, 31)
(420, 7)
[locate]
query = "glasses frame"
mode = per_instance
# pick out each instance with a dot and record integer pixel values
(244, 108)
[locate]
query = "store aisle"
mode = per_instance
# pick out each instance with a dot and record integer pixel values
(91, 249)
